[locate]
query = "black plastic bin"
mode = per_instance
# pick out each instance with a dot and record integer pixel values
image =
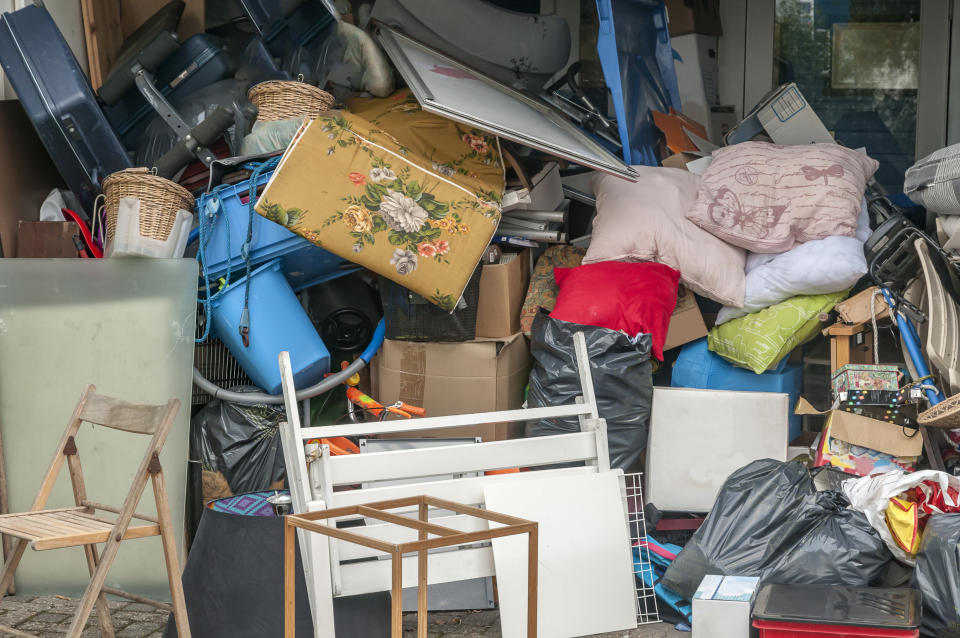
(233, 580)
(410, 317)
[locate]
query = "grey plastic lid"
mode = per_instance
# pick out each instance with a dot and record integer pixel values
(839, 605)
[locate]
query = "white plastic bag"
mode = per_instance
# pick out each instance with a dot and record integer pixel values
(871, 495)
(127, 241)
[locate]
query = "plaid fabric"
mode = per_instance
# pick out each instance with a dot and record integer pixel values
(934, 181)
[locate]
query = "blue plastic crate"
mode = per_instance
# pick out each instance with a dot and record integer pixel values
(304, 264)
(697, 367)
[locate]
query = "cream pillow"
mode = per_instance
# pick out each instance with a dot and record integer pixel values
(645, 221)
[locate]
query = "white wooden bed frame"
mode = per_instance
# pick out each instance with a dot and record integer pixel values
(314, 483)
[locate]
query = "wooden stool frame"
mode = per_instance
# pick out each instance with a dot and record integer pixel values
(446, 537)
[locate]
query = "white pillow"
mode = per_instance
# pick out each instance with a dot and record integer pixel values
(815, 267)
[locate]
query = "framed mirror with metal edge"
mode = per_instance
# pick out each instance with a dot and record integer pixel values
(446, 87)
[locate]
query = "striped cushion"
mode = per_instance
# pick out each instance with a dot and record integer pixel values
(934, 181)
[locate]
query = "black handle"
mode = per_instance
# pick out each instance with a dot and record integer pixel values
(203, 134)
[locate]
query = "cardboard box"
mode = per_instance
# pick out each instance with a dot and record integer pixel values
(785, 116)
(865, 376)
(722, 606)
(863, 446)
(484, 375)
(686, 322)
(694, 16)
(856, 309)
(503, 288)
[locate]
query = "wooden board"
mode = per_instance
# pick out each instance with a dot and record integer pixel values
(585, 563)
(103, 35)
(46, 239)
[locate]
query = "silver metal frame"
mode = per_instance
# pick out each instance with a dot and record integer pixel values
(391, 41)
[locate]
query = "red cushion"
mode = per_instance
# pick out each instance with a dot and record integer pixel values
(633, 297)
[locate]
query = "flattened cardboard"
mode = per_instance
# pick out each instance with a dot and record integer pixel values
(503, 288)
(686, 322)
(866, 432)
(483, 375)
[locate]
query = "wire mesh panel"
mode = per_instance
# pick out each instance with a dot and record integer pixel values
(215, 362)
(643, 574)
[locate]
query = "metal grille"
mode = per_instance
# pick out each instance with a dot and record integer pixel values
(215, 362)
(646, 598)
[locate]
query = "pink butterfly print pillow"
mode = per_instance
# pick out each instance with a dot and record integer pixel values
(768, 198)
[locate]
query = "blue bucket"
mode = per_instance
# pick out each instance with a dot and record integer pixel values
(277, 322)
(306, 264)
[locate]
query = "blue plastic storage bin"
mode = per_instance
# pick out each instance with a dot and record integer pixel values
(697, 367)
(277, 322)
(304, 263)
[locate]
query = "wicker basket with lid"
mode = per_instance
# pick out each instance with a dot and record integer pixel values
(160, 199)
(285, 99)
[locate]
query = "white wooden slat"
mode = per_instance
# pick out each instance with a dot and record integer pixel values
(452, 421)
(396, 534)
(467, 491)
(461, 459)
(374, 575)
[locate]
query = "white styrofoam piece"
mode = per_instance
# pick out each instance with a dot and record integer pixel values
(699, 437)
(585, 566)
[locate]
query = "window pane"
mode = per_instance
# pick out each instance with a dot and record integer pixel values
(857, 62)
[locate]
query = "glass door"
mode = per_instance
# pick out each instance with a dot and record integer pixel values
(875, 71)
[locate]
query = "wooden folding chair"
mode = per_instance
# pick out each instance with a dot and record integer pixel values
(80, 526)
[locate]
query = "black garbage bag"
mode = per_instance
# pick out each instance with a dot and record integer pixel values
(238, 446)
(770, 521)
(622, 378)
(937, 576)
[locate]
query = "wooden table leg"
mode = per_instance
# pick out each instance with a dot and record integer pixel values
(422, 580)
(396, 593)
(289, 580)
(532, 569)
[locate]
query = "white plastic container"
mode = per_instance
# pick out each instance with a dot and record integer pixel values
(128, 242)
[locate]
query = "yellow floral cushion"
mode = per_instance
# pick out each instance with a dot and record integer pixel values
(410, 195)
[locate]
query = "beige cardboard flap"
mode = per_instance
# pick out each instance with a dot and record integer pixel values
(876, 435)
(804, 407)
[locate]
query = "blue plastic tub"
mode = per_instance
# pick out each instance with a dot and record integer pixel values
(697, 367)
(306, 264)
(277, 322)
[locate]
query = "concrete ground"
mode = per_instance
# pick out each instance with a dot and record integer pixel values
(49, 617)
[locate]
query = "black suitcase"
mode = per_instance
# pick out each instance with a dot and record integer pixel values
(200, 61)
(56, 96)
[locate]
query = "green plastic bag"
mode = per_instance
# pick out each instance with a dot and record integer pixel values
(760, 340)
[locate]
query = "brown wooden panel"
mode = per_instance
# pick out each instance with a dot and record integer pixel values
(46, 239)
(121, 415)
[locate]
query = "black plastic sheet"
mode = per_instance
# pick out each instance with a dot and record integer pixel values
(770, 521)
(622, 379)
(937, 576)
